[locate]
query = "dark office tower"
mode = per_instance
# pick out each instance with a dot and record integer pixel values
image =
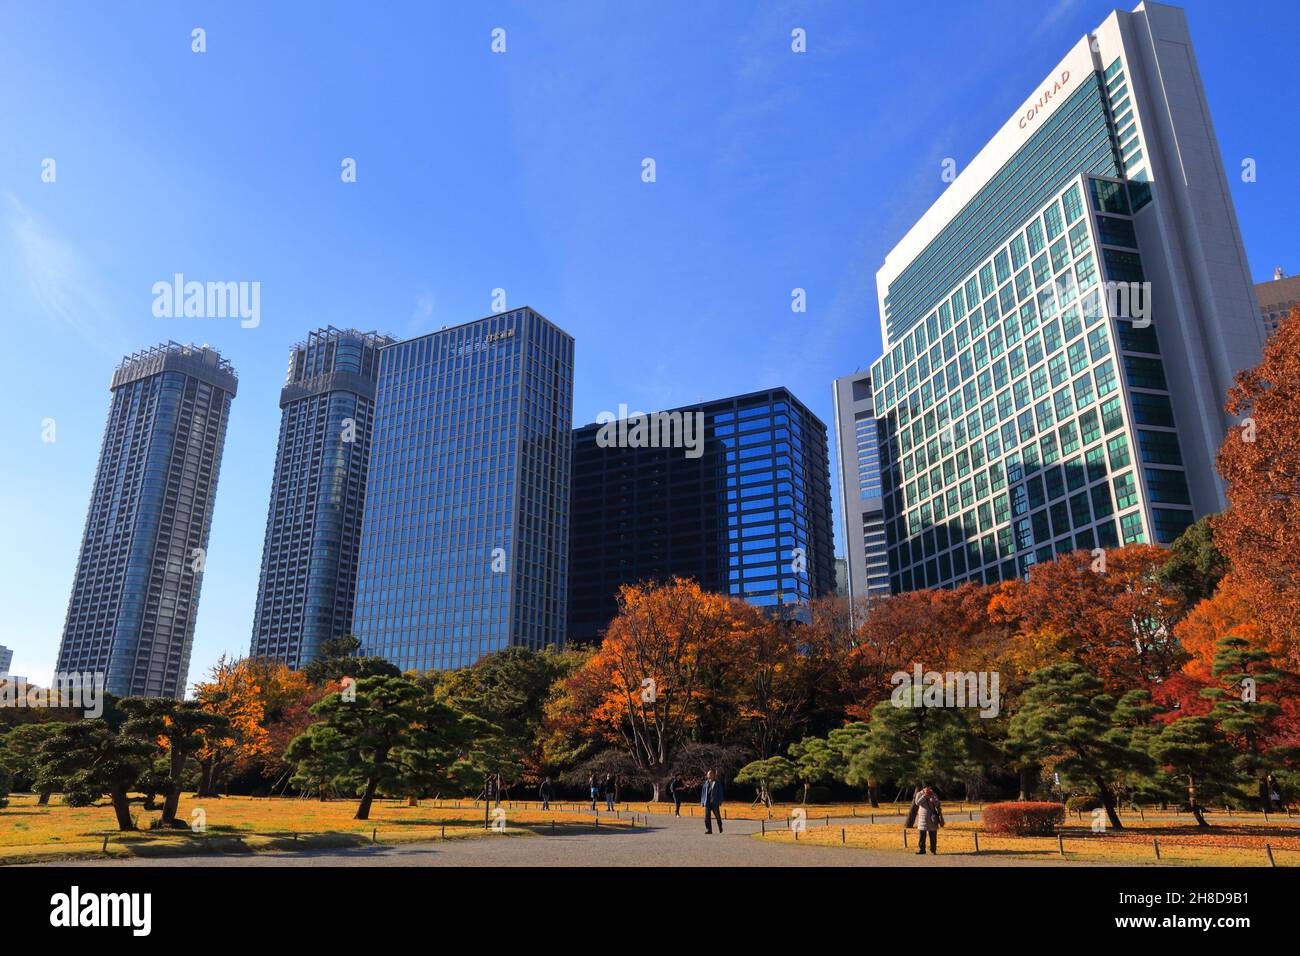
(313, 529)
(743, 509)
(136, 593)
(464, 545)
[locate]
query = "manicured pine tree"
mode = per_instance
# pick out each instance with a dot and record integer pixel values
(372, 730)
(180, 728)
(1064, 717)
(1240, 711)
(1194, 749)
(18, 752)
(768, 775)
(815, 760)
(319, 759)
(87, 760)
(913, 744)
(847, 743)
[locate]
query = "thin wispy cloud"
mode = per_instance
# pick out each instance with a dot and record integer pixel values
(418, 321)
(63, 289)
(1058, 12)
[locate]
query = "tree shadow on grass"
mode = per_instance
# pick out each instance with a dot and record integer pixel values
(241, 843)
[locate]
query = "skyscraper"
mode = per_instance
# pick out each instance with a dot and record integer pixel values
(136, 592)
(1061, 327)
(746, 511)
(6, 660)
(465, 542)
(307, 588)
(857, 445)
(1276, 300)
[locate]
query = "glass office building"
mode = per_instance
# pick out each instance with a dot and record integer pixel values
(862, 509)
(307, 586)
(135, 596)
(749, 515)
(1061, 327)
(464, 543)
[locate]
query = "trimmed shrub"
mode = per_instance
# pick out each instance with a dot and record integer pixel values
(1028, 818)
(1083, 803)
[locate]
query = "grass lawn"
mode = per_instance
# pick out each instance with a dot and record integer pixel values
(1238, 840)
(29, 832)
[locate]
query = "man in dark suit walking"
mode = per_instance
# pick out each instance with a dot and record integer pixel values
(711, 797)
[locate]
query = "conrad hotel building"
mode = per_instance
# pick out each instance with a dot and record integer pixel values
(1060, 328)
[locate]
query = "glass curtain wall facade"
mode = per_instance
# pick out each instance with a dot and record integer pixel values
(464, 545)
(307, 587)
(135, 596)
(1061, 327)
(749, 517)
(1035, 421)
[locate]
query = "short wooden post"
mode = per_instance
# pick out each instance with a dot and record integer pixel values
(904, 838)
(763, 825)
(1269, 850)
(374, 835)
(843, 837)
(104, 848)
(1060, 844)
(444, 831)
(1155, 845)
(1141, 813)
(977, 841)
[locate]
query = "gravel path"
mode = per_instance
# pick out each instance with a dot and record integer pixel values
(666, 841)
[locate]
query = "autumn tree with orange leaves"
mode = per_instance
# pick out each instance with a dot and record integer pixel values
(774, 669)
(1260, 461)
(934, 628)
(1114, 616)
(286, 696)
(1225, 614)
(642, 690)
(234, 691)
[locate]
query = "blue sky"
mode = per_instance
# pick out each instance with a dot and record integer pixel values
(478, 171)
